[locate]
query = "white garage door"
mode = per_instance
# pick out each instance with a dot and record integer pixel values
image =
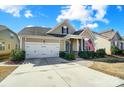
(39, 50)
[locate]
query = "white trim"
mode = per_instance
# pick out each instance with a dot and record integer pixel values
(42, 37)
(72, 36)
(81, 44)
(77, 44)
(20, 42)
(64, 45)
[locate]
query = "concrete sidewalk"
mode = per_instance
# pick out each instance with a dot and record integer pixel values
(58, 75)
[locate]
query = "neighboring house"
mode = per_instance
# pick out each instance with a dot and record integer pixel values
(41, 42)
(8, 40)
(106, 39)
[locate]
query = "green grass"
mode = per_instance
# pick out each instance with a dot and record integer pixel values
(109, 59)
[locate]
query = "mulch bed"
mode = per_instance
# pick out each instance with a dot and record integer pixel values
(13, 62)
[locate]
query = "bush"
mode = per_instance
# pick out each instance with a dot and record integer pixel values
(62, 54)
(69, 56)
(86, 54)
(123, 52)
(17, 55)
(100, 53)
(116, 51)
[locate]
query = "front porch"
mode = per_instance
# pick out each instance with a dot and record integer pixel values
(76, 44)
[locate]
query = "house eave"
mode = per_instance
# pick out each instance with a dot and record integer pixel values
(42, 37)
(69, 36)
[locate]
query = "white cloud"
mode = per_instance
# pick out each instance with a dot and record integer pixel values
(28, 14)
(100, 13)
(84, 14)
(74, 13)
(12, 9)
(119, 8)
(95, 25)
(30, 26)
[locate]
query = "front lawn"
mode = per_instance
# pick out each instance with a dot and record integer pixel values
(109, 59)
(109, 65)
(5, 71)
(115, 69)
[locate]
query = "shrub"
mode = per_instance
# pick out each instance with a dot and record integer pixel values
(62, 54)
(69, 56)
(17, 55)
(116, 51)
(100, 53)
(87, 54)
(83, 54)
(123, 52)
(92, 54)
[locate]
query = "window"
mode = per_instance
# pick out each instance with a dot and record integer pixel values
(2, 46)
(67, 46)
(113, 43)
(121, 46)
(8, 46)
(11, 35)
(79, 45)
(16, 46)
(83, 44)
(64, 30)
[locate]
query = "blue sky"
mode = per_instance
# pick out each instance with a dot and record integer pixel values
(98, 18)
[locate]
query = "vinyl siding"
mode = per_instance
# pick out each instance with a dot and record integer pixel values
(102, 43)
(62, 45)
(37, 40)
(86, 34)
(42, 40)
(5, 36)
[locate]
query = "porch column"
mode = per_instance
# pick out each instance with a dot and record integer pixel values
(20, 42)
(81, 44)
(77, 45)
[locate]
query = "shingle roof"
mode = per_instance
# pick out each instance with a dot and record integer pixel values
(56, 35)
(78, 32)
(2, 27)
(40, 31)
(109, 33)
(96, 33)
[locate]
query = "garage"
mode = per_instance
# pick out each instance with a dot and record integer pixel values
(41, 50)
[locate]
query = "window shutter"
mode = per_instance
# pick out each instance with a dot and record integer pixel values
(67, 30)
(62, 30)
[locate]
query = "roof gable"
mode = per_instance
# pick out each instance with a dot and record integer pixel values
(9, 31)
(110, 34)
(57, 29)
(87, 33)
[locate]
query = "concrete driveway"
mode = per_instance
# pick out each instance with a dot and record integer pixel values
(57, 72)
